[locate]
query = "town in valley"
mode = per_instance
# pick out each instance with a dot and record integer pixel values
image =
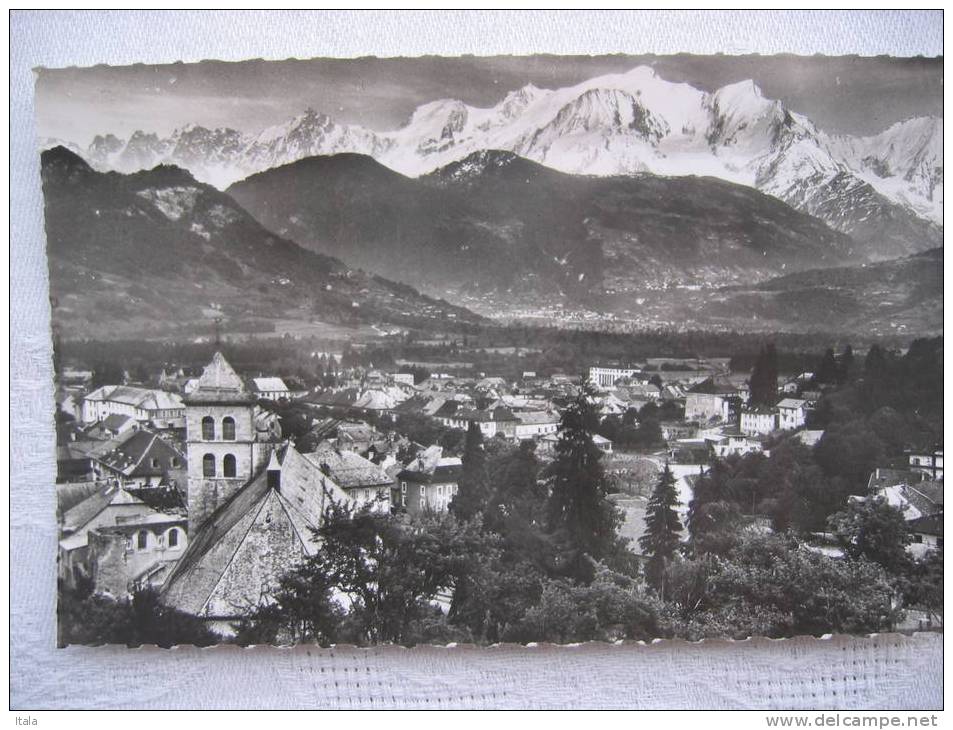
(198, 486)
(490, 350)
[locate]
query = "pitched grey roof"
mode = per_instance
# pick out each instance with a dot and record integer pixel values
(70, 494)
(83, 513)
(347, 469)
(296, 506)
(219, 382)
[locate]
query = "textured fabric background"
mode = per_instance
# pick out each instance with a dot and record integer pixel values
(885, 672)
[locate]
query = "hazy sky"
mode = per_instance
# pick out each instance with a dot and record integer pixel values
(841, 94)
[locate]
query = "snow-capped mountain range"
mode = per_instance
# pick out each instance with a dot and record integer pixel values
(619, 124)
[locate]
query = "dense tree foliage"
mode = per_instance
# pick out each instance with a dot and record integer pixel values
(772, 585)
(875, 531)
(88, 618)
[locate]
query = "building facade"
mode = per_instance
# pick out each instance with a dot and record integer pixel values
(758, 421)
(605, 377)
(792, 413)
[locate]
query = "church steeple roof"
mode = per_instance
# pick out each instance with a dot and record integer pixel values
(219, 383)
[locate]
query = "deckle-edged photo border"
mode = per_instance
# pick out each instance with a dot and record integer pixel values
(881, 672)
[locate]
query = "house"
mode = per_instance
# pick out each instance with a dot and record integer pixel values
(712, 400)
(356, 436)
(131, 555)
(926, 533)
(612, 404)
(237, 554)
(689, 452)
(75, 376)
(429, 404)
(809, 437)
(535, 424)
(498, 420)
(146, 405)
(928, 462)
(69, 403)
(674, 430)
(368, 400)
(270, 389)
(647, 392)
(605, 377)
(364, 481)
(789, 387)
(70, 494)
(429, 482)
(792, 413)
(145, 459)
(77, 454)
(546, 446)
(491, 384)
(758, 421)
(920, 499)
(882, 477)
(112, 426)
(735, 445)
(403, 378)
(145, 529)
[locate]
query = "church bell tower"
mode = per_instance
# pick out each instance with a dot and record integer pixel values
(228, 438)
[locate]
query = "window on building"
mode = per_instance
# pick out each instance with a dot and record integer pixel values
(208, 429)
(423, 491)
(142, 539)
(918, 538)
(208, 465)
(175, 461)
(173, 538)
(155, 463)
(403, 487)
(228, 465)
(228, 428)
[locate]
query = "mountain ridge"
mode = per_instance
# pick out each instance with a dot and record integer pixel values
(156, 250)
(623, 124)
(504, 227)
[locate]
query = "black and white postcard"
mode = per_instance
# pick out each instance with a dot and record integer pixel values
(509, 349)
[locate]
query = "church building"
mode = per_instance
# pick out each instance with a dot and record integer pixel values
(253, 501)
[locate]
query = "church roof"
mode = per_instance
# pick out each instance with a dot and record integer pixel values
(244, 547)
(219, 383)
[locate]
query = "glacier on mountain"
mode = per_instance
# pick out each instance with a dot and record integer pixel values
(618, 124)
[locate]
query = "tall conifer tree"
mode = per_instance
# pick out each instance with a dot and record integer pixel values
(473, 490)
(579, 514)
(764, 377)
(663, 529)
